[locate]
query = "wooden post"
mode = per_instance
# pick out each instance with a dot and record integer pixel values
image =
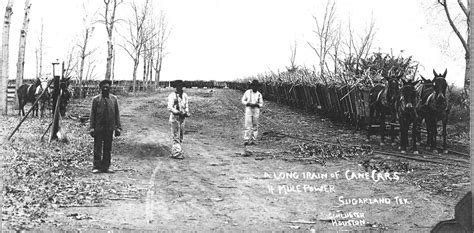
(55, 122)
(57, 108)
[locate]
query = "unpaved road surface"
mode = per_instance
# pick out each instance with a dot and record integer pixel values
(222, 186)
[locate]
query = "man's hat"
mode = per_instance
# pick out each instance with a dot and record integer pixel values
(254, 83)
(178, 83)
(104, 82)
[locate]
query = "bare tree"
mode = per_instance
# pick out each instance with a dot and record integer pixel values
(326, 35)
(464, 37)
(150, 63)
(39, 54)
(149, 48)
(90, 72)
(358, 46)
(293, 67)
(70, 62)
(160, 41)
(4, 61)
(145, 63)
(109, 20)
(335, 56)
(137, 36)
(87, 30)
(20, 65)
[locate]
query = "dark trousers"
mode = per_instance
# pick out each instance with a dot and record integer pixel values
(102, 148)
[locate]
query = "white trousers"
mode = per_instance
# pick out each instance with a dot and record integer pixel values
(177, 131)
(251, 123)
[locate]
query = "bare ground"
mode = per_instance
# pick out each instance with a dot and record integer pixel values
(218, 188)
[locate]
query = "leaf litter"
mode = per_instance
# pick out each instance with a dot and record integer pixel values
(40, 176)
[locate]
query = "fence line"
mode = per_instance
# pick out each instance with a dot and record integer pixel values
(337, 102)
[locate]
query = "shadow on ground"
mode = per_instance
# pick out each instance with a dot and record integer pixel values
(143, 150)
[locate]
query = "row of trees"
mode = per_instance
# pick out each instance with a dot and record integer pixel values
(146, 38)
(334, 48)
(143, 37)
(342, 55)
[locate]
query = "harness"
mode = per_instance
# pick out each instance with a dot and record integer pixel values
(380, 95)
(39, 89)
(430, 97)
(401, 105)
(29, 87)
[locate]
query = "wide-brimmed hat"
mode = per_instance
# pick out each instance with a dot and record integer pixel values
(178, 83)
(104, 82)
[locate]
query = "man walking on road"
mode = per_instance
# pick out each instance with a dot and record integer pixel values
(253, 101)
(178, 107)
(104, 121)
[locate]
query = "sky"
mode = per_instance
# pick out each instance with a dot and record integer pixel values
(233, 39)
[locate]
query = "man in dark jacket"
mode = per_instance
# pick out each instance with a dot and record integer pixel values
(104, 121)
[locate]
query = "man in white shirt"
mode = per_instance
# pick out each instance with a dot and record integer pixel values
(253, 101)
(178, 107)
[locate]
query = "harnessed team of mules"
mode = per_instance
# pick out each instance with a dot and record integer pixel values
(29, 93)
(411, 102)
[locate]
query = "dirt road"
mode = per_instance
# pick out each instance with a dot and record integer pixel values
(216, 187)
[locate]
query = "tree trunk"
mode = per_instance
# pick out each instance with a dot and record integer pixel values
(20, 65)
(465, 43)
(41, 52)
(471, 103)
(81, 73)
(112, 74)
(109, 25)
(144, 73)
(158, 69)
(4, 58)
(467, 78)
(467, 74)
(134, 81)
(150, 71)
(110, 55)
(83, 58)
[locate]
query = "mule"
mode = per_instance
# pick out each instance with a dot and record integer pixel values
(422, 86)
(45, 99)
(405, 106)
(26, 94)
(433, 107)
(61, 86)
(382, 103)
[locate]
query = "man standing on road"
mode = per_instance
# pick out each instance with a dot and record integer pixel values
(104, 121)
(178, 107)
(253, 101)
